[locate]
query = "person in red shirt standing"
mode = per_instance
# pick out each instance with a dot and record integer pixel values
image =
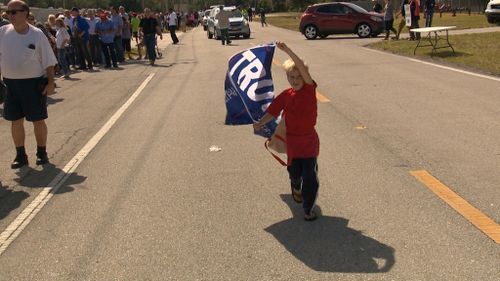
(300, 111)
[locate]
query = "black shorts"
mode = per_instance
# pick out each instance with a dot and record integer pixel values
(24, 99)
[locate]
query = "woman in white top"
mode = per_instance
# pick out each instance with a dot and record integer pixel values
(62, 40)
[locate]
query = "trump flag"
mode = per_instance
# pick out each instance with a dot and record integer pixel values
(249, 87)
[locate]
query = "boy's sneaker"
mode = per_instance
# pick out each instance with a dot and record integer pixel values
(42, 158)
(311, 216)
(296, 195)
(19, 162)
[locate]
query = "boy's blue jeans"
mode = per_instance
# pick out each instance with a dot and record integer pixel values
(303, 174)
(224, 36)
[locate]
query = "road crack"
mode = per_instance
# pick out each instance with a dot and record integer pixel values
(73, 134)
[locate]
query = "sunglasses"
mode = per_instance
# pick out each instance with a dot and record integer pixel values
(14, 12)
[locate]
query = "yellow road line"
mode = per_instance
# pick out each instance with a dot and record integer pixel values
(471, 213)
(319, 96)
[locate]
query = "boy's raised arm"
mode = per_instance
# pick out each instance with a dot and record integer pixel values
(298, 63)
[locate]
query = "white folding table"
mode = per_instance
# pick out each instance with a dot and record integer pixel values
(433, 40)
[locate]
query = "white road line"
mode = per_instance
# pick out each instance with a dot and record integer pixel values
(457, 70)
(437, 65)
(27, 215)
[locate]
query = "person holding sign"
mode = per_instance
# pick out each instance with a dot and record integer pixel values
(299, 107)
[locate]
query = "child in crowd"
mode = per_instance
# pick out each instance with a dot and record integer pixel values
(299, 107)
(62, 40)
(127, 37)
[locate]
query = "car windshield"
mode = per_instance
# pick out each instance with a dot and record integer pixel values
(236, 14)
(356, 8)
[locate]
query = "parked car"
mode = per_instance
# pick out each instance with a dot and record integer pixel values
(339, 18)
(492, 11)
(238, 25)
(206, 15)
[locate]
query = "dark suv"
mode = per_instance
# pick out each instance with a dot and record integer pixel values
(339, 18)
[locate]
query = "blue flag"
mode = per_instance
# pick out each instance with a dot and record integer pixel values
(249, 87)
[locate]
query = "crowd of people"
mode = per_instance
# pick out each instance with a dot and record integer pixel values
(84, 39)
(34, 52)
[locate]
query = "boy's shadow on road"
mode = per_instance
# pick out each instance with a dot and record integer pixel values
(329, 245)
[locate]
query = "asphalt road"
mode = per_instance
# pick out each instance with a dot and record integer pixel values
(150, 202)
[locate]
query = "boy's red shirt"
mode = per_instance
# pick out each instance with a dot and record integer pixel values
(300, 110)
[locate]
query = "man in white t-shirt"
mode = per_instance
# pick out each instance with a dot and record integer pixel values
(27, 67)
(172, 25)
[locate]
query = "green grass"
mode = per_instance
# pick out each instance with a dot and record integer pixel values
(461, 21)
(285, 14)
(473, 51)
(287, 22)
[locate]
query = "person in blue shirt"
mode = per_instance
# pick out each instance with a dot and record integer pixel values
(106, 31)
(80, 28)
(117, 20)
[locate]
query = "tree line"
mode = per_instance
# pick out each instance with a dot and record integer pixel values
(161, 5)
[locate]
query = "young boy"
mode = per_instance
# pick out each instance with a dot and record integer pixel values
(299, 107)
